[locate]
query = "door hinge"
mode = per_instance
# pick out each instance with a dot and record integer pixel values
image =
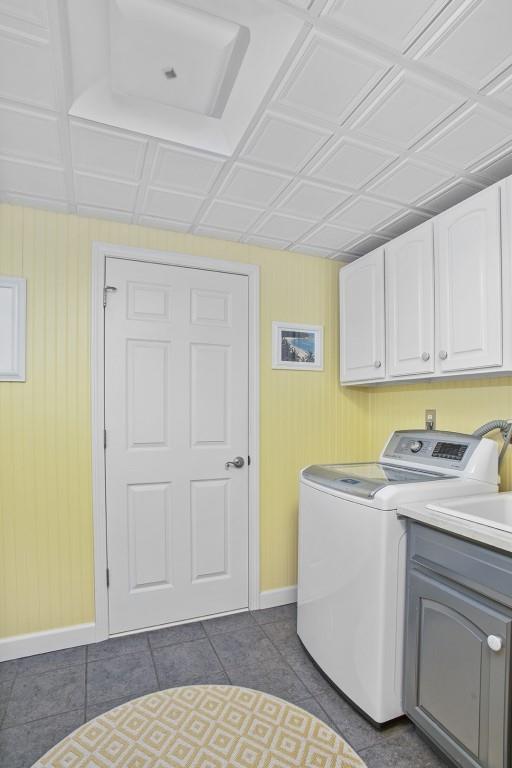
(248, 461)
(108, 578)
(106, 289)
(104, 438)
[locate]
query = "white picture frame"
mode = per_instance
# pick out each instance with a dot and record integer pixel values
(13, 311)
(297, 346)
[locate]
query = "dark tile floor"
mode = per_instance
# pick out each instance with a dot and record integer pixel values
(43, 698)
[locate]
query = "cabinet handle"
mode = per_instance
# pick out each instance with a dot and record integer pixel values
(377, 363)
(495, 643)
(443, 354)
(425, 356)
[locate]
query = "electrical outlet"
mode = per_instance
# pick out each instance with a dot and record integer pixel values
(430, 418)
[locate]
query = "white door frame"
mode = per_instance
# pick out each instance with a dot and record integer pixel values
(100, 252)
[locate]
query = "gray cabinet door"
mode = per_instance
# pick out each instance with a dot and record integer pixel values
(456, 687)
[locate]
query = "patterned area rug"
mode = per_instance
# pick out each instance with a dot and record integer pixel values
(203, 726)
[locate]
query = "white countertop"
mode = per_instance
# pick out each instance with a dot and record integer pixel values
(482, 534)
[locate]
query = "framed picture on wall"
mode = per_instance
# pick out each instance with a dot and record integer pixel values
(13, 292)
(297, 347)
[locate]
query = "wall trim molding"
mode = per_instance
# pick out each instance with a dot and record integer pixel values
(273, 597)
(100, 252)
(18, 646)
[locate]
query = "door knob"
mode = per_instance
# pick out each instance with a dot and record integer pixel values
(425, 356)
(377, 363)
(237, 462)
(495, 643)
(443, 354)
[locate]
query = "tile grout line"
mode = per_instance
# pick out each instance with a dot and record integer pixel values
(181, 642)
(223, 668)
(130, 653)
(310, 695)
(153, 660)
(45, 717)
(313, 695)
(283, 657)
(256, 627)
(35, 674)
(8, 699)
(281, 653)
(122, 655)
(52, 669)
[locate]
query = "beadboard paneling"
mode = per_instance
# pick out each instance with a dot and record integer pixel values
(46, 560)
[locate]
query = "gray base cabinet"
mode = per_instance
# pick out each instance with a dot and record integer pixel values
(458, 646)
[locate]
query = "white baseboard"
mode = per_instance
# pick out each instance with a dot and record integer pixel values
(273, 597)
(17, 646)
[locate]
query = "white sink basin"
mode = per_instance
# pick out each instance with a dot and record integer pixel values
(493, 509)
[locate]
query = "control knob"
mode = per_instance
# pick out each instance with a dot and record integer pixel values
(416, 446)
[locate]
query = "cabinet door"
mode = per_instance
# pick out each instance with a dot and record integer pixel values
(362, 318)
(409, 262)
(468, 260)
(456, 687)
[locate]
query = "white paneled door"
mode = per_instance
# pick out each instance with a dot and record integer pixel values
(176, 411)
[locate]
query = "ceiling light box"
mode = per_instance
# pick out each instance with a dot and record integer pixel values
(191, 73)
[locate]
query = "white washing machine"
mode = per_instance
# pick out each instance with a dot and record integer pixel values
(352, 552)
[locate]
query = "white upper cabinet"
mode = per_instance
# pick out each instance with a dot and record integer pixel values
(468, 284)
(443, 288)
(362, 319)
(409, 267)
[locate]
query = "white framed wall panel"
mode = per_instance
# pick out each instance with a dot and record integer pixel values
(13, 303)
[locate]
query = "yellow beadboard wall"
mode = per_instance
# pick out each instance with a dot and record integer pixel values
(461, 407)
(46, 557)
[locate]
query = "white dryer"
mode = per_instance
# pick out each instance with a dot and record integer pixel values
(352, 555)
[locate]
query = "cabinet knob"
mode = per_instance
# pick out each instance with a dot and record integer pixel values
(425, 356)
(443, 354)
(495, 643)
(377, 363)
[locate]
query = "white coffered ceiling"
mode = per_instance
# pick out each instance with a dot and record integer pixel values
(372, 115)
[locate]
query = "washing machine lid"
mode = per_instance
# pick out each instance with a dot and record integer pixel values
(366, 479)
